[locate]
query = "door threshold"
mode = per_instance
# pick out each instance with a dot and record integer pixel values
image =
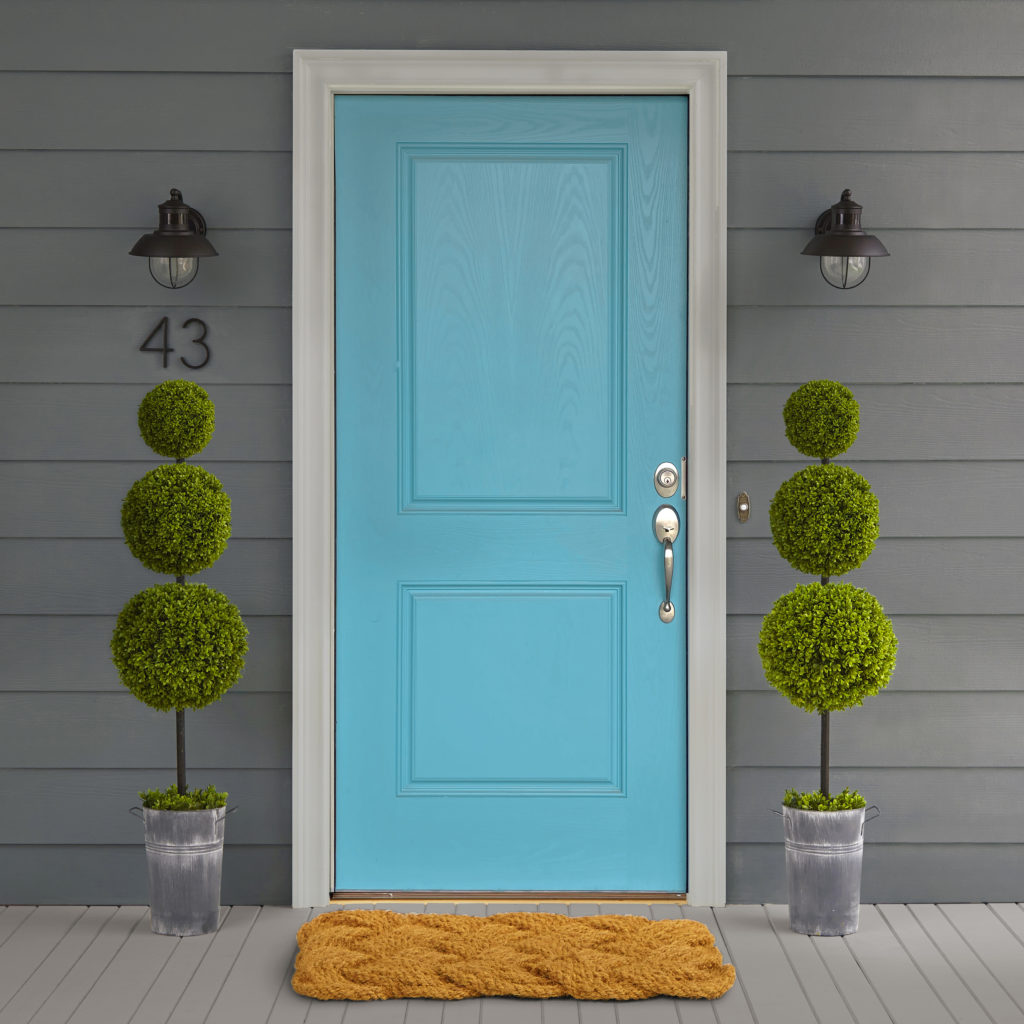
(433, 896)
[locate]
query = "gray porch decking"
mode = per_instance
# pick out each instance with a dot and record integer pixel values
(909, 964)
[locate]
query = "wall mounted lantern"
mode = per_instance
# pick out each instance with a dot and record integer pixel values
(176, 246)
(844, 247)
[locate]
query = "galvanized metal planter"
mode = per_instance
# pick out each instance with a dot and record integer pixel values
(824, 852)
(184, 854)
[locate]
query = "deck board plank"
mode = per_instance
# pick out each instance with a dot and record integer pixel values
(855, 989)
(939, 971)
(817, 984)
(998, 948)
(75, 986)
(174, 979)
(197, 999)
(121, 988)
(901, 987)
(38, 935)
(768, 978)
(35, 991)
(253, 984)
(734, 1007)
(12, 918)
(966, 963)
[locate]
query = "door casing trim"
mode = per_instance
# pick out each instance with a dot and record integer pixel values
(319, 75)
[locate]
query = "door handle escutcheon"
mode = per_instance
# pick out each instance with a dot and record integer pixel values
(666, 529)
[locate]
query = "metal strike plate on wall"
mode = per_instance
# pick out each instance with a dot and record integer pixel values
(743, 506)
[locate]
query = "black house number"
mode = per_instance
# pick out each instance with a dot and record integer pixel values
(161, 332)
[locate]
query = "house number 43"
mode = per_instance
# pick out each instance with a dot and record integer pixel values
(156, 341)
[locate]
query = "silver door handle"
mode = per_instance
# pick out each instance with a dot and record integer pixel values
(666, 529)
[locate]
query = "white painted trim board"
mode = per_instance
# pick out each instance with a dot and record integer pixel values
(318, 75)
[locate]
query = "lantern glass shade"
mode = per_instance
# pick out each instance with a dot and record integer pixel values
(845, 271)
(177, 245)
(173, 271)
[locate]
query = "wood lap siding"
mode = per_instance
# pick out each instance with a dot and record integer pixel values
(103, 114)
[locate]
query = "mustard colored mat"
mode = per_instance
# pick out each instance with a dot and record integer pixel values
(380, 954)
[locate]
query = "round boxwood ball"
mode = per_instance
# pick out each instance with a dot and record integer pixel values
(827, 647)
(179, 645)
(822, 419)
(176, 419)
(177, 519)
(824, 520)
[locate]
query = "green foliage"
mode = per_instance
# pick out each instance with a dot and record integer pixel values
(827, 647)
(822, 419)
(194, 800)
(824, 520)
(176, 419)
(179, 645)
(817, 801)
(177, 519)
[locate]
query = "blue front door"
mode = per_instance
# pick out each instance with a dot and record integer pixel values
(511, 368)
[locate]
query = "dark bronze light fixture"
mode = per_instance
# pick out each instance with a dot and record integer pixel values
(844, 247)
(175, 248)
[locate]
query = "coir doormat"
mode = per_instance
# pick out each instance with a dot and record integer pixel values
(380, 954)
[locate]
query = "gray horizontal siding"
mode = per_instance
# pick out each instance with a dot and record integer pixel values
(84, 804)
(919, 37)
(114, 730)
(56, 652)
(872, 345)
(973, 872)
(83, 499)
(910, 576)
(99, 422)
(936, 652)
(97, 873)
(101, 189)
(913, 190)
(85, 576)
(899, 423)
(101, 345)
(972, 728)
(105, 113)
(930, 268)
(974, 801)
(91, 267)
(99, 110)
(916, 499)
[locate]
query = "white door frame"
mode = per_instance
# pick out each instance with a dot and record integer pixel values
(318, 75)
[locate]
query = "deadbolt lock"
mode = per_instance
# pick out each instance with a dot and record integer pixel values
(666, 479)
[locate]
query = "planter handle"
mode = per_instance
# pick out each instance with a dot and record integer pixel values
(230, 810)
(132, 810)
(873, 807)
(775, 810)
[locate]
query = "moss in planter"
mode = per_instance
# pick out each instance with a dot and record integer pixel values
(176, 419)
(827, 647)
(177, 519)
(817, 801)
(822, 419)
(194, 800)
(824, 520)
(179, 645)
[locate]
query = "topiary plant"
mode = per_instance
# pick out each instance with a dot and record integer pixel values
(178, 645)
(825, 646)
(176, 419)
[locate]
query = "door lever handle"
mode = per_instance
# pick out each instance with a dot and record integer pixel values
(666, 529)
